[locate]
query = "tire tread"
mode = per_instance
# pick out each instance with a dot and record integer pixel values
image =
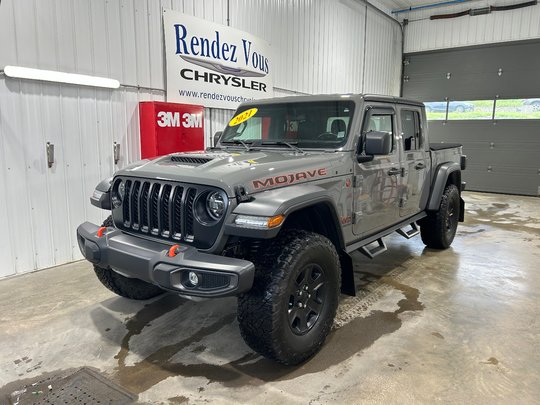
(257, 309)
(432, 228)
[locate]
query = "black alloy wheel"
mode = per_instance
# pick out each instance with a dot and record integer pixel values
(306, 301)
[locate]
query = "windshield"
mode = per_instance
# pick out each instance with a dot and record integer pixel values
(304, 124)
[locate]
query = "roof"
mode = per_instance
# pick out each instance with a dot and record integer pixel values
(332, 97)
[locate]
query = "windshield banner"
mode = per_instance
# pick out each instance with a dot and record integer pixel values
(213, 65)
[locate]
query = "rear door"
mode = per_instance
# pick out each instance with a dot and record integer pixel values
(415, 161)
(376, 186)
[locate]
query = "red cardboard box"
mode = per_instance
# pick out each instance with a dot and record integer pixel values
(170, 127)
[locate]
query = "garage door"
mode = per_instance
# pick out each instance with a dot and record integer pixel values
(488, 99)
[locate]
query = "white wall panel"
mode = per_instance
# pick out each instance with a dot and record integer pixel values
(317, 45)
(215, 120)
(383, 55)
(423, 34)
(43, 206)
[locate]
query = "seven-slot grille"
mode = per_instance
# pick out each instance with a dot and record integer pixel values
(158, 209)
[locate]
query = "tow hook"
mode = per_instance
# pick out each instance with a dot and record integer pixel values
(173, 251)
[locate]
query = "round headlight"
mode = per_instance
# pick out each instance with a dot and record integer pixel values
(118, 193)
(122, 189)
(215, 205)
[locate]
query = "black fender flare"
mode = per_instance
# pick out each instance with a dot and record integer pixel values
(291, 199)
(440, 180)
(101, 197)
(285, 201)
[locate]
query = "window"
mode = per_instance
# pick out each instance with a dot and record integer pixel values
(436, 110)
(470, 110)
(517, 109)
(483, 109)
(322, 124)
(410, 125)
(253, 131)
(381, 122)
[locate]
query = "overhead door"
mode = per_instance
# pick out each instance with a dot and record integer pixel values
(488, 99)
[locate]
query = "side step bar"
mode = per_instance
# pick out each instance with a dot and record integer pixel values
(375, 250)
(411, 232)
(364, 246)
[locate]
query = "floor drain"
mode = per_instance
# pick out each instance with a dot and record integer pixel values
(84, 386)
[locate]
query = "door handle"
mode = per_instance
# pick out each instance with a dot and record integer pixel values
(420, 166)
(393, 172)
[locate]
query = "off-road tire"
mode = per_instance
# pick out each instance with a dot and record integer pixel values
(438, 229)
(132, 288)
(265, 312)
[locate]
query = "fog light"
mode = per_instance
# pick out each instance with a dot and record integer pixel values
(193, 278)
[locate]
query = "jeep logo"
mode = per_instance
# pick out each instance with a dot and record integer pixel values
(286, 179)
(172, 119)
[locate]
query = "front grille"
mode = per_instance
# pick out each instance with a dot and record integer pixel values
(163, 210)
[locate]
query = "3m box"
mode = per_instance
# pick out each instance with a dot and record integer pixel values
(170, 127)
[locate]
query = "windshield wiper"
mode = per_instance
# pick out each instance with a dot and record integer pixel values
(239, 142)
(291, 145)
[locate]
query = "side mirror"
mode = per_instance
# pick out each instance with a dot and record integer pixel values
(217, 137)
(378, 143)
(375, 143)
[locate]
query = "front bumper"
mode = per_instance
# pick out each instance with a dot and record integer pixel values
(149, 261)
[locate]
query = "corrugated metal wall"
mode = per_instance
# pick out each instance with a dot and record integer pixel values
(423, 34)
(40, 207)
(318, 48)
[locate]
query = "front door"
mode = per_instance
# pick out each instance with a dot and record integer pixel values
(376, 186)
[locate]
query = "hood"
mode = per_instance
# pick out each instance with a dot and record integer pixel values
(255, 170)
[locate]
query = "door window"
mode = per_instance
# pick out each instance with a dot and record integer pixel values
(381, 122)
(410, 125)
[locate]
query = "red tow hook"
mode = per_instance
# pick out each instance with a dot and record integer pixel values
(173, 250)
(101, 231)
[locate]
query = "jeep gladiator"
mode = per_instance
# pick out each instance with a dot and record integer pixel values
(272, 212)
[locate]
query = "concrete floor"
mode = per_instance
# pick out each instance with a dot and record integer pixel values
(460, 326)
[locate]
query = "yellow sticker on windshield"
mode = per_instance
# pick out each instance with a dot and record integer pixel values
(243, 116)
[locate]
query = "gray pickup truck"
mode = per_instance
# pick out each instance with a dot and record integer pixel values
(273, 211)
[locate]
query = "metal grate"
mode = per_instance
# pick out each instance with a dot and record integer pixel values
(211, 281)
(195, 161)
(84, 386)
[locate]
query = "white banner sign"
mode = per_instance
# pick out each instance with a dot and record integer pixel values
(213, 65)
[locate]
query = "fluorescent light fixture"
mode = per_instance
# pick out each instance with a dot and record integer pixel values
(19, 72)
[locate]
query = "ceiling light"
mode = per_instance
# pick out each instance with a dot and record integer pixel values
(19, 72)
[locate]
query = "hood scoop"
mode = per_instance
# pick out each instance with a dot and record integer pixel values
(190, 160)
